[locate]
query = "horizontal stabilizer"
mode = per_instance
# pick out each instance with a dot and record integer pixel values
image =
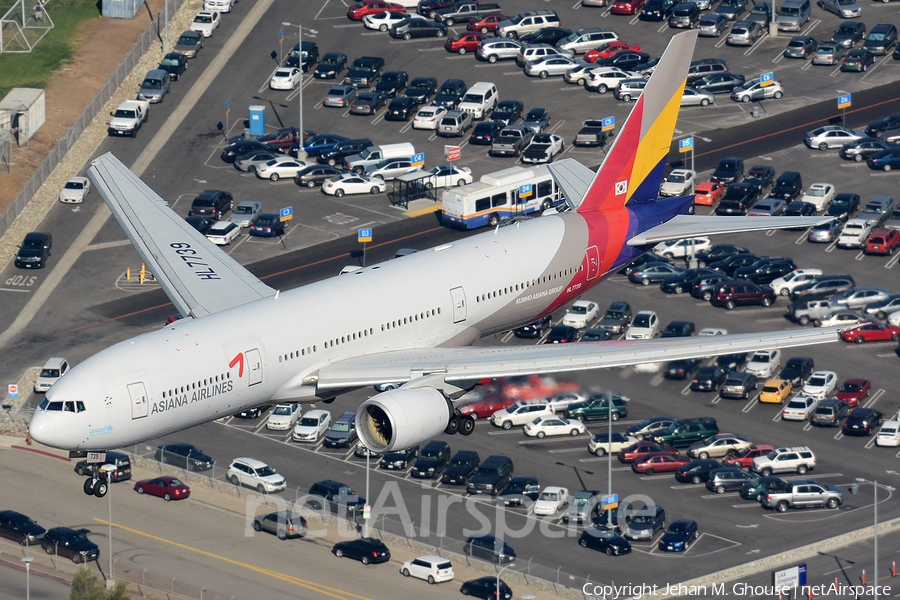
(687, 226)
(573, 178)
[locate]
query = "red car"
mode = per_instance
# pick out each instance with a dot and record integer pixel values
(372, 7)
(707, 192)
(485, 407)
(869, 331)
(642, 449)
(284, 138)
(485, 25)
(170, 488)
(744, 458)
(854, 390)
(627, 7)
(531, 387)
(467, 42)
(883, 241)
(608, 49)
(658, 462)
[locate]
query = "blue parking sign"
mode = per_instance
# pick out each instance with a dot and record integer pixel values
(287, 213)
(609, 123)
(767, 78)
(611, 501)
(418, 159)
(844, 101)
(365, 235)
(686, 144)
(525, 190)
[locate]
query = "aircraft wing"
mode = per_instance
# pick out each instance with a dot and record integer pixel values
(197, 276)
(573, 178)
(474, 363)
(686, 226)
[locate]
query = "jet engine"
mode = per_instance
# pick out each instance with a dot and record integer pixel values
(401, 418)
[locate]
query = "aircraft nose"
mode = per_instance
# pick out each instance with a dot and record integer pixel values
(42, 429)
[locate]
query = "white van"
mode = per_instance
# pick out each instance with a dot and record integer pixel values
(374, 155)
(480, 100)
(52, 370)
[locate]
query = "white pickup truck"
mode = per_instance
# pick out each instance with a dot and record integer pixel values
(129, 117)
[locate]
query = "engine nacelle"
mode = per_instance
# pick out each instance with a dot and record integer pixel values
(401, 418)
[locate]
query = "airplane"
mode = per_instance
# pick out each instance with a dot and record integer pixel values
(409, 321)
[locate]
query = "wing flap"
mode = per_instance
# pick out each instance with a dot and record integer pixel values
(573, 178)
(685, 226)
(197, 276)
(473, 363)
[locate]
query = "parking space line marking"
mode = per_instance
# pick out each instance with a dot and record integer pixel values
(749, 406)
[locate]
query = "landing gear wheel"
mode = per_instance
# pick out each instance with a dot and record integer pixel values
(88, 487)
(100, 488)
(452, 426)
(466, 425)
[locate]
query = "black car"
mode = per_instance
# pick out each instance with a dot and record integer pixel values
(392, 83)
(797, 370)
(485, 132)
(756, 489)
(331, 66)
(679, 329)
(643, 259)
(697, 471)
(315, 175)
(34, 250)
(561, 334)
(490, 548)
(186, 456)
(719, 83)
(536, 119)
(70, 544)
(340, 151)
(859, 150)
(252, 413)
(605, 540)
(595, 334)
(174, 63)
(891, 122)
(732, 362)
(486, 588)
(849, 33)
(20, 528)
(685, 15)
(729, 170)
(535, 329)
(367, 103)
(547, 35)
(267, 225)
(461, 468)
(364, 71)
(657, 10)
(303, 57)
(416, 28)
(520, 488)
(421, 89)
(201, 224)
(706, 285)
(212, 204)
(334, 497)
(881, 38)
(240, 147)
(627, 60)
(798, 208)
(680, 283)
(760, 177)
(766, 270)
(858, 60)
(681, 369)
(737, 199)
(508, 112)
(708, 379)
(399, 459)
(401, 108)
(734, 262)
(679, 536)
(365, 550)
(862, 421)
(433, 459)
(450, 93)
(718, 252)
(729, 479)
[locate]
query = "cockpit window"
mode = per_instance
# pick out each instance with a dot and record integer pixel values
(55, 406)
(43, 404)
(79, 406)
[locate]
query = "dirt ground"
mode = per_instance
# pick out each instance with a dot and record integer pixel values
(101, 43)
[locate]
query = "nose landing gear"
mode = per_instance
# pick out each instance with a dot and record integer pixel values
(96, 485)
(463, 424)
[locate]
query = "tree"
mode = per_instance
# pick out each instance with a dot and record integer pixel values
(87, 586)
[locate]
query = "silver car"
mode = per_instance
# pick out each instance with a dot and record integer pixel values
(694, 97)
(846, 9)
(831, 136)
(754, 90)
(744, 33)
(391, 168)
(253, 160)
(245, 213)
(826, 232)
(580, 73)
(535, 52)
(549, 66)
(455, 123)
(861, 296)
(599, 3)
(829, 53)
(340, 96)
(712, 25)
(154, 86)
(498, 49)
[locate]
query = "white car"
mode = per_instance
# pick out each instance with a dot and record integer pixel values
(711, 331)
(894, 318)
(222, 6)
(552, 500)
(312, 426)
(75, 190)
(429, 117)
(280, 167)
(206, 21)
(560, 402)
(283, 417)
(432, 569)
(754, 90)
(350, 183)
(644, 326)
(603, 79)
(602, 444)
(256, 474)
(223, 233)
(543, 148)
(839, 317)
(50, 373)
(764, 363)
(785, 285)
(384, 21)
(521, 412)
(678, 183)
(544, 426)
(681, 248)
(285, 78)
(889, 434)
(800, 408)
(581, 313)
(854, 234)
(692, 97)
(820, 385)
(448, 176)
(245, 213)
(820, 195)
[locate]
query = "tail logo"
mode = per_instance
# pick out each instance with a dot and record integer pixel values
(621, 187)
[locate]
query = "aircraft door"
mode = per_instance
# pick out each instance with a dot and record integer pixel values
(254, 366)
(458, 297)
(593, 262)
(140, 407)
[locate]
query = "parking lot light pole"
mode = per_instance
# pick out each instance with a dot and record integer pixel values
(498, 577)
(301, 154)
(27, 560)
(854, 490)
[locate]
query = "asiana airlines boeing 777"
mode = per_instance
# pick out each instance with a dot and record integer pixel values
(356, 330)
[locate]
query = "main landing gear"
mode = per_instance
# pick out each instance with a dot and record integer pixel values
(96, 486)
(463, 424)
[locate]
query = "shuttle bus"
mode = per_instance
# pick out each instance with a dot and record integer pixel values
(498, 196)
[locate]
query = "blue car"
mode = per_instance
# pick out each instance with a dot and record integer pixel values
(318, 144)
(884, 160)
(679, 536)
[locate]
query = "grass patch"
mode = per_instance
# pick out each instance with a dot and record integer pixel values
(34, 69)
